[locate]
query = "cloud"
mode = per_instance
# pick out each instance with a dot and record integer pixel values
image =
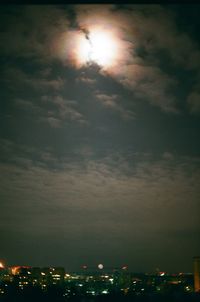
(194, 102)
(152, 30)
(108, 100)
(168, 156)
(45, 98)
(112, 102)
(102, 198)
(17, 79)
(142, 32)
(31, 31)
(28, 105)
(152, 27)
(113, 180)
(156, 29)
(142, 75)
(52, 121)
(124, 201)
(149, 83)
(64, 110)
(86, 80)
(90, 17)
(119, 200)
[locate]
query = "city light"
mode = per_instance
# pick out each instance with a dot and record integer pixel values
(94, 283)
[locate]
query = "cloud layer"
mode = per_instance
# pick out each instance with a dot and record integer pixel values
(100, 163)
(119, 203)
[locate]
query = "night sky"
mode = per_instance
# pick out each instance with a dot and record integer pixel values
(100, 153)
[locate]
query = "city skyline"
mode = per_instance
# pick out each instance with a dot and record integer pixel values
(99, 136)
(96, 268)
(55, 284)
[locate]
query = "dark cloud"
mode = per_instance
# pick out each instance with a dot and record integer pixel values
(111, 101)
(28, 31)
(194, 102)
(100, 163)
(125, 203)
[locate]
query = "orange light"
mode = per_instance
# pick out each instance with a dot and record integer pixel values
(15, 270)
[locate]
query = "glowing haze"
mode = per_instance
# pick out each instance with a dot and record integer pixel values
(97, 38)
(98, 46)
(93, 44)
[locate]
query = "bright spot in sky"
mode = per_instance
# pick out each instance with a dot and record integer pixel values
(1, 265)
(97, 46)
(100, 266)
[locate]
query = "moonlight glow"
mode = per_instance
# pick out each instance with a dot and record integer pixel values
(97, 46)
(100, 266)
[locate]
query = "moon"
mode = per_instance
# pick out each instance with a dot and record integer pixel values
(97, 46)
(100, 266)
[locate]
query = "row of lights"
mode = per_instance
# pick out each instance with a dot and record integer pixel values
(101, 266)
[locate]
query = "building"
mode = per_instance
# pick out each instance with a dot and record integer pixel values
(196, 261)
(24, 276)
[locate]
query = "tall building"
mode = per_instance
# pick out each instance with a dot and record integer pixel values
(196, 261)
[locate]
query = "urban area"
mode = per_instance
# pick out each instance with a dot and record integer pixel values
(26, 283)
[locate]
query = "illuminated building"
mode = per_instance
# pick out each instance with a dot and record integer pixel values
(53, 275)
(196, 274)
(17, 270)
(36, 276)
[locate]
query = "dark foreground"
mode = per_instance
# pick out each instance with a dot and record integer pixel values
(56, 295)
